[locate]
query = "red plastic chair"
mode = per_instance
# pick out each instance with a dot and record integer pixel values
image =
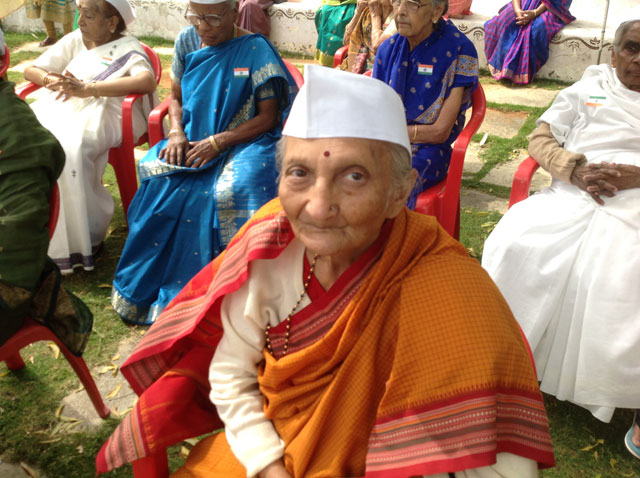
(443, 199)
(339, 56)
(156, 130)
(522, 180)
(121, 157)
(4, 61)
(32, 331)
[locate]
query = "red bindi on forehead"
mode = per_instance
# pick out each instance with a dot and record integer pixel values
(326, 154)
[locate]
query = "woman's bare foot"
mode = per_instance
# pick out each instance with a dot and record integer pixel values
(48, 41)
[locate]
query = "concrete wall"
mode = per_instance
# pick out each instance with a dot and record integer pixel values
(293, 29)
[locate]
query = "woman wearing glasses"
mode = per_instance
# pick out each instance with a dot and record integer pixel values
(434, 69)
(230, 95)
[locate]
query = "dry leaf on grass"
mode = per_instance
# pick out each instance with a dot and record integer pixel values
(115, 357)
(184, 452)
(59, 411)
(115, 391)
(55, 349)
(600, 441)
(104, 286)
(28, 470)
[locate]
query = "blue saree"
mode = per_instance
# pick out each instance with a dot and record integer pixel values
(424, 77)
(181, 217)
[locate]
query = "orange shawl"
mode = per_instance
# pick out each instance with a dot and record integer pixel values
(425, 371)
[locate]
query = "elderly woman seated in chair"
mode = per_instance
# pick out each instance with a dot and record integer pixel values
(333, 362)
(88, 72)
(434, 69)
(230, 95)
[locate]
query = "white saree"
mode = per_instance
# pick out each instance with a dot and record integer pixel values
(87, 128)
(570, 268)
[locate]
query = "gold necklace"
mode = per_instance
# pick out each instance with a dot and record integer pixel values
(288, 319)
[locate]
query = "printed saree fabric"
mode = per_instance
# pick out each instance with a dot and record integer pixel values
(331, 20)
(473, 395)
(424, 78)
(181, 217)
(517, 52)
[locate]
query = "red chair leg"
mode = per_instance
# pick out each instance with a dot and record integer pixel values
(80, 368)
(154, 466)
(125, 168)
(14, 362)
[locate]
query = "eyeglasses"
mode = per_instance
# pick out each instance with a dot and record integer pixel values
(210, 19)
(410, 5)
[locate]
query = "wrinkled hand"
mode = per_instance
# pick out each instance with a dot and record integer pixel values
(595, 179)
(69, 86)
(524, 17)
(200, 153)
(275, 470)
(616, 177)
(177, 147)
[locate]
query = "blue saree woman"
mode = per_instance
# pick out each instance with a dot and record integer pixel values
(190, 205)
(434, 69)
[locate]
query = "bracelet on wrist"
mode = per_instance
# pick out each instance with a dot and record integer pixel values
(175, 130)
(46, 80)
(415, 133)
(212, 140)
(93, 89)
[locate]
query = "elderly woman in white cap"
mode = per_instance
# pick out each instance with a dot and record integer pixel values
(230, 95)
(350, 336)
(88, 72)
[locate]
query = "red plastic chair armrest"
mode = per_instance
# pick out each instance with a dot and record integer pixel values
(295, 73)
(156, 130)
(522, 180)
(339, 56)
(25, 90)
(128, 141)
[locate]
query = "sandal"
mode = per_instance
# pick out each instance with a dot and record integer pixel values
(628, 438)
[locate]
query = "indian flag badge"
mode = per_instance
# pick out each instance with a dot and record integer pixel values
(596, 100)
(105, 60)
(425, 69)
(241, 72)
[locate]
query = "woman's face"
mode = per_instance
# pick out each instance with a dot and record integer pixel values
(415, 18)
(627, 60)
(94, 24)
(337, 193)
(219, 13)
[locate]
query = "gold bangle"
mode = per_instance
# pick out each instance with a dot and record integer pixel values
(94, 89)
(415, 133)
(45, 80)
(175, 130)
(212, 140)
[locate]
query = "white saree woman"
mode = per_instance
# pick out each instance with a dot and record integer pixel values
(88, 72)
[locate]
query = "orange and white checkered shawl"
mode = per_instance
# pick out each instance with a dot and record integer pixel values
(424, 371)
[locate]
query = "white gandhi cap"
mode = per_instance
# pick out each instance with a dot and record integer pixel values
(338, 104)
(124, 9)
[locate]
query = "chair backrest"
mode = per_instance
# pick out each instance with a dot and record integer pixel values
(4, 61)
(450, 197)
(155, 61)
(297, 76)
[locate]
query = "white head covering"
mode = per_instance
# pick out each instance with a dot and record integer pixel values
(124, 9)
(338, 104)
